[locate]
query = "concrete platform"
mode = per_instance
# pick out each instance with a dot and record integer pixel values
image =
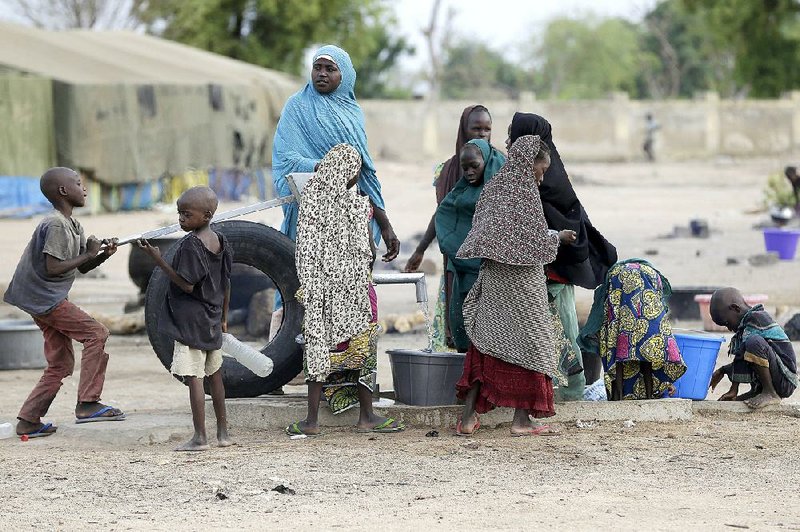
(275, 412)
(140, 428)
(739, 408)
(279, 411)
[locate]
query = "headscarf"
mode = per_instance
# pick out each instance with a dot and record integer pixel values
(455, 213)
(509, 225)
(453, 223)
(451, 171)
(311, 124)
(585, 262)
(333, 255)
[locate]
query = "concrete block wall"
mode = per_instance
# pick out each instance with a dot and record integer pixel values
(611, 129)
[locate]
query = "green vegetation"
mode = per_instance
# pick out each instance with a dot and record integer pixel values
(778, 192)
(739, 48)
(277, 33)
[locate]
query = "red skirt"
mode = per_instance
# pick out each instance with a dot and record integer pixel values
(504, 384)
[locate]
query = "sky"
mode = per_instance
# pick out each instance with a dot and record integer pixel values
(504, 24)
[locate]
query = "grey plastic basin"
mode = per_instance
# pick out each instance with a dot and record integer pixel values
(424, 378)
(21, 345)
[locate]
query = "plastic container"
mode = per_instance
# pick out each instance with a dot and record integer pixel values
(424, 378)
(781, 241)
(704, 302)
(21, 345)
(699, 351)
(247, 356)
(6, 430)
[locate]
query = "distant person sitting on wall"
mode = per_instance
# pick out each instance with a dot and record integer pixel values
(791, 174)
(651, 126)
(762, 353)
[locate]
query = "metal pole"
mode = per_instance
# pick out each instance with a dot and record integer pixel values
(227, 215)
(417, 279)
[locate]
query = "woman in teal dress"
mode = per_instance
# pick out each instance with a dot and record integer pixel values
(475, 123)
(479, 162)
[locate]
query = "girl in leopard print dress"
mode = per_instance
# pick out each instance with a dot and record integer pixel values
(334, 257)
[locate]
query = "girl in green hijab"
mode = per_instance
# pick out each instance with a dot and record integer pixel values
(479, 162)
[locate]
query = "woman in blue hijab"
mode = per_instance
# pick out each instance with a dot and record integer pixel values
(315, 119)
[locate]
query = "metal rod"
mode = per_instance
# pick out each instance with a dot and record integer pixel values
(227, 215)
(417, 279)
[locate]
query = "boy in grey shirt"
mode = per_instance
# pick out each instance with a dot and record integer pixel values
(40, 287)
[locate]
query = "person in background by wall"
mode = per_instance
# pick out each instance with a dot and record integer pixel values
(650, 128)
(475, 123)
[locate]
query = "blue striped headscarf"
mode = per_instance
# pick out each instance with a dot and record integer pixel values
(311, 124)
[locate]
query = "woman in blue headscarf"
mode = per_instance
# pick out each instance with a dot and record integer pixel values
(478, 162)
(315, 119)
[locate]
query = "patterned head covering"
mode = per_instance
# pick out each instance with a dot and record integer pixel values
(333, 256)
(509, 225)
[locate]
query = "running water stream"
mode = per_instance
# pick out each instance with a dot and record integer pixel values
(426, 313)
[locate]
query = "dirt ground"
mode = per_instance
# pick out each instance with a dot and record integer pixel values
(710, 474)
(716, 472)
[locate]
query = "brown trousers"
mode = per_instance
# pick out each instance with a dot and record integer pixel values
(65, 323)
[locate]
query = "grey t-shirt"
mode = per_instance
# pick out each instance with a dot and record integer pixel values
(31, 288)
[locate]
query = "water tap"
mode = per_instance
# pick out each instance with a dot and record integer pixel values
(417, 279)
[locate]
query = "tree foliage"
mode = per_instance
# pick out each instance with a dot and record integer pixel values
(588, 57)
(764, 36)
(688, 58)
(277, 33)
(473, 70)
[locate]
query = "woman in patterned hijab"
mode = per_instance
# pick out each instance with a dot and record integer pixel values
(512, 358)
(334, 255)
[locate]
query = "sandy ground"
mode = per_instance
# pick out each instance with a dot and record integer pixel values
(710, 474)
(716, 472)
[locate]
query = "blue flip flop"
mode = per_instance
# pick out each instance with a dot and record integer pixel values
(42, 431)
(98, 416)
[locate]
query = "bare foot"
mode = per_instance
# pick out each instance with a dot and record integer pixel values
(223, 439)
(747, 395)
(195, 444)
(763, 399)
